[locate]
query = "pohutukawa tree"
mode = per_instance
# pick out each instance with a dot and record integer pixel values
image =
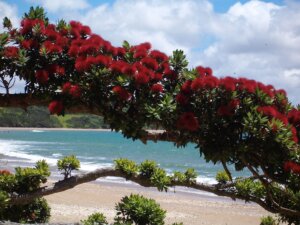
(234, 121)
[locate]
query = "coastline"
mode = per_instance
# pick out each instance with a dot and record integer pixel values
(191, 208)
(64, 129)
(50, 129)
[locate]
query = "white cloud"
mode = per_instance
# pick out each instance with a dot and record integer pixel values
(258, 40)
(10, 11)
(166, 24)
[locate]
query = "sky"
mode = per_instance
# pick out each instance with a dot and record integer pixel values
(257, 39)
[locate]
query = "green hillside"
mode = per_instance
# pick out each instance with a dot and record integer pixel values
(40, 117)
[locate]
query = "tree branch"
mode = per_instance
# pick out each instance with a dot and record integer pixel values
(69, 183)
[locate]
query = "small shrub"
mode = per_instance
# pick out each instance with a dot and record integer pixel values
(147, 168)
(95, 219)
(37, 211)
(222, 177)
(190, 175)
(268, 220)
(67, 164)
(139, 210)
(160, 179)
(127, 166)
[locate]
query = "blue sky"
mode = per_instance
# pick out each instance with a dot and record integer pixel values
(257, 39)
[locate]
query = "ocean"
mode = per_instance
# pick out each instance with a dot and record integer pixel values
(98, 149)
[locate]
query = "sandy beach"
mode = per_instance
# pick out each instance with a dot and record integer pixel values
(191, 209)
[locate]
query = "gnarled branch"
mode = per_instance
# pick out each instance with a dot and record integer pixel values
(218, 189)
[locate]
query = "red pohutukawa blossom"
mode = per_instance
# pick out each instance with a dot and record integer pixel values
(128, 70)
(11, 52)
(73, 90)
(197, 84)
(229, 109)
(121, 92)
(294, 117)
(56, 69)
(182, 99)
(267, 89)
(141, 47)
(52, 47)
(170, 74)
(56, 107)
(247, 85)
(141, 78)
(290, 166)
(210, 82)
(272, 112)
(42, 76)
(156, 76)
(159, 56)
(66, 87)
(202, 71)
(157, 88)
(186, 87)
(280, 92)
(188, 121)
(150, 63)
(228, 83)
(29, 44)
(140, 54)
(294, 134)
(28, 24)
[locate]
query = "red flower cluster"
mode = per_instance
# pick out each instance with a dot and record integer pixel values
(11, 52)
(290, 166)
(208, 82)
(182, 99)
(56, 69)
(56, 107)
(28, 24)
(204, 71)
(78, 30)
(157, 88)
(52, 47)
(29, 44)
(42, 76)
(121, 92)
(229, 109)
(295, 135)
(294, 117)
(228, 83)
(73, 90)
(188, 121)
(159, 56)
(272, 112)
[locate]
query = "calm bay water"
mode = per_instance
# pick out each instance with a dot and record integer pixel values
(97, 149)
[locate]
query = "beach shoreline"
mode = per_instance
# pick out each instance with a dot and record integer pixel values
(51, 129)
(187, 206)
(191, 208)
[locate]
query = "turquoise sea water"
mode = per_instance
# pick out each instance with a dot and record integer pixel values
(97, 149)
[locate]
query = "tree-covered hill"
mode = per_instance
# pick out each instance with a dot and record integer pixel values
(36, 116)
